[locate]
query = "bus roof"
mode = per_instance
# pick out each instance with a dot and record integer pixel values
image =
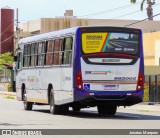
(59, 33)
(49, 35)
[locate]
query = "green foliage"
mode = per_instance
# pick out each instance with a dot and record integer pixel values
(6, 58)
(10, 97)
(143, 1)
(133, 1)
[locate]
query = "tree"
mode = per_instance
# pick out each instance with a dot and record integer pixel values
(6, 58)
(149, 8)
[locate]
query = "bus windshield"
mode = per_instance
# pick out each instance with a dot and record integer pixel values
(115, 42)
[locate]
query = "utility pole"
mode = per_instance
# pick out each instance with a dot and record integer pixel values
(13, 72)
(17, 30)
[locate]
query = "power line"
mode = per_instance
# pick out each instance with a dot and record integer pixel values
(7, 39)
(126, 14)
(142, 20)
(110, 10)
(6, 29)
(132, 12)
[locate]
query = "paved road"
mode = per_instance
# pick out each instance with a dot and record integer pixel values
(13, 116)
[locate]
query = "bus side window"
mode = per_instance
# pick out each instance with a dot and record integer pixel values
(60, 50)
(56, 52)
(26, 58)
(67, 51)
(29, 55)
(32, 54)
(36, 54)
(49, 53)
(19, 60)
(44, 49)
(41, 53)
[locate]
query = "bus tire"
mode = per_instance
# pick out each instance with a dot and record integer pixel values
(54, 109)
(107, 109)
(64, 109)
(27, 105)
(111, 109)
(102, 110)
(76, 109)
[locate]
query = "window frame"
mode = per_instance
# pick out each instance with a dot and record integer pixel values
(70, 51)
(37, 53)
(26, 56)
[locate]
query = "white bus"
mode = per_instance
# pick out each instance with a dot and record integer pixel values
(81, 67)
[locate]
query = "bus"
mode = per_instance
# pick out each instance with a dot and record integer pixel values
(81, 67)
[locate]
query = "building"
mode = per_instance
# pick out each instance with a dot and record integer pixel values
(6, 30)
(44, 25)
(150, 29)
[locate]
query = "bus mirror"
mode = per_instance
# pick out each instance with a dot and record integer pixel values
(15, 58)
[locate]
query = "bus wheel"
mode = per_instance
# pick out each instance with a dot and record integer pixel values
(107, 109)
(111, 109)
(64, 109)
(76, 108)
(102, 110)
(27, 105)
(54, 109)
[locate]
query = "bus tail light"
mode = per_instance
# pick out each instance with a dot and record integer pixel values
(79, 83)
(140, 83)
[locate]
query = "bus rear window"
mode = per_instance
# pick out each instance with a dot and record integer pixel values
(101, 42)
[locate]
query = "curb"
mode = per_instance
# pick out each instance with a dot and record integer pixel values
(143, 108)
(4, 93)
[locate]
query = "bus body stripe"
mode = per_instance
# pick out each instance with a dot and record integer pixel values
(109, 82)
(37, 100)
(104, 43)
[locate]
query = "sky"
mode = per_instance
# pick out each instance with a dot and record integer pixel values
(90, 9)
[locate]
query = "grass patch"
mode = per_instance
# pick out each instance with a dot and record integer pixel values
(144, 111)
(10, 97)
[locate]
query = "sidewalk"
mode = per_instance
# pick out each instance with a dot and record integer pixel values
(144, 107)
(5, 93)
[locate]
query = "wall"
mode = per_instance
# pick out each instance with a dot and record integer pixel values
(150, 70)
(151, 51)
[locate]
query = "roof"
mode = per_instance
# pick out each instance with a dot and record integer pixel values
(49, 35)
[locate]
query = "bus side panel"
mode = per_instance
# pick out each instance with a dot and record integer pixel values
(36, 82)
(20, 79)
(66, 94)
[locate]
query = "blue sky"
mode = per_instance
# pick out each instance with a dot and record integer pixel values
(34, 9)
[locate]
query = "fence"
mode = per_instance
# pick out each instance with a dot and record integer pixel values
(152, 89)
(5, 75)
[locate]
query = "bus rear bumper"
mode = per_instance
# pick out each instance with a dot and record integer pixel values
(121, 99)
